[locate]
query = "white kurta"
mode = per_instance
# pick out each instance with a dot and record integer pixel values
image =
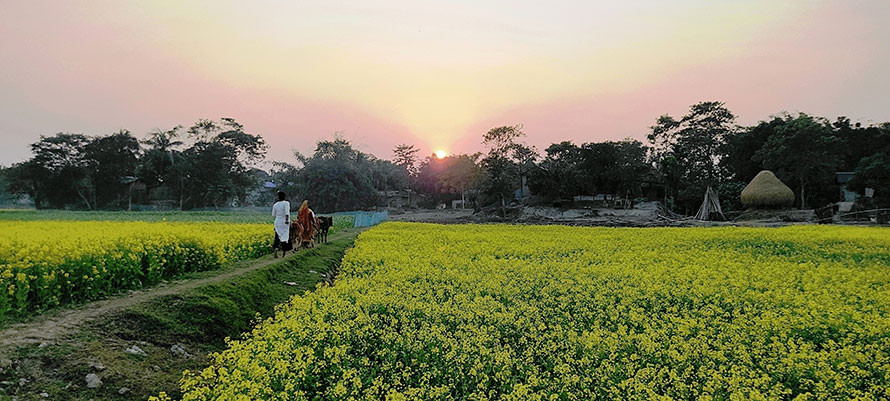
(280, 210)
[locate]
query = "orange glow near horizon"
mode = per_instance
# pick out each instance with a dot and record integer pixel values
(441, 154)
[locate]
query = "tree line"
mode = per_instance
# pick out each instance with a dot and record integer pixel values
(682, 158)
(215, 164)
(76, 171)
(706, 148)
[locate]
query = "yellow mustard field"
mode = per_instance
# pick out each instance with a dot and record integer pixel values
(47, 263)
(494, 312)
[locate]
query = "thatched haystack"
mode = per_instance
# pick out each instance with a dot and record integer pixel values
(767, 191)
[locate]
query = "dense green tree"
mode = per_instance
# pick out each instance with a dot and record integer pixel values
(57, 176)
(524, 156)
(215, 170)
(387, 176)
(111, 163)
(695, 142)
(741, 146)
(560, 173)
(873, 172)
(859, 142)
(614, 167)
(25, 179)
(7, 196)
(804, 151)
(501, 163)
(406, 158)
(597, 161)
(160, 156)
(337, 149)
(285, 177)
(204, 129)
(337, 177)
(78, 171)
(449, 178)
(461, 175)
(427, 179)
(219, 165)
(730, 195)
(631, 165)
(604, 167)
(672, 173)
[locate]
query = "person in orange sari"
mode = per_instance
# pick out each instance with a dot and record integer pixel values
(306, 218)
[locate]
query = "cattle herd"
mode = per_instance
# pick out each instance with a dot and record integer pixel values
(316, 233)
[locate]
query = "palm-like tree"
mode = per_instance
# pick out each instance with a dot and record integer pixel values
(164, 141)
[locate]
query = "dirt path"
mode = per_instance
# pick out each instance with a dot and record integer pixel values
(53, 325)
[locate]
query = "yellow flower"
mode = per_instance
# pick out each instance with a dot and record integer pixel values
(423, 311)
(87, 253)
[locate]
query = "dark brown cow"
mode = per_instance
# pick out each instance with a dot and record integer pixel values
(324, 224)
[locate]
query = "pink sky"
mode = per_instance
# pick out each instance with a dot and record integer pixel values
(433, 74)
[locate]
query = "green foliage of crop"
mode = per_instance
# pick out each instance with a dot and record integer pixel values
(490, 312)
(245, 216)
(47, 262)
(198, 318)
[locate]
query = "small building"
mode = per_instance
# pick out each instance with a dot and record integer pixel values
(523, 192)
(404, 198)
(652, 188)
(843, 177)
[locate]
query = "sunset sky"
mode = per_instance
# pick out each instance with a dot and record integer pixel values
(434, 74)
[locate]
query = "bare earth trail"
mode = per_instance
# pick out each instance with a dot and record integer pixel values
(54, 324)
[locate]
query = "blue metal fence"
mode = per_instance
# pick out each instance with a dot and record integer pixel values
(366, 219)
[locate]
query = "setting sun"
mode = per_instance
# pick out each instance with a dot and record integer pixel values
(441, 154)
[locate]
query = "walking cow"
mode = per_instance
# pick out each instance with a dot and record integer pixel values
(324, 224)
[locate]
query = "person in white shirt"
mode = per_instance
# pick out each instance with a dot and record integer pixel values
(281, 213)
